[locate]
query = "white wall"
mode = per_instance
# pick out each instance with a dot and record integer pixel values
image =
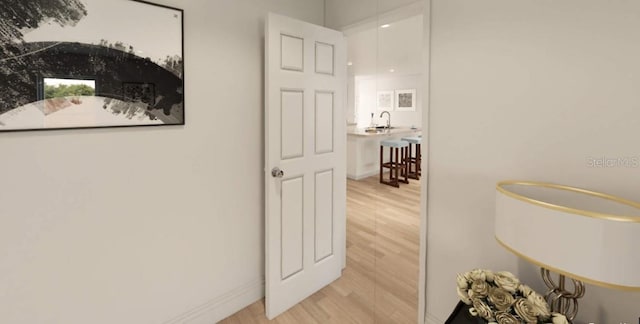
(526, 90)
(373, 52)
(148, 225)
(341, 13)
(377, 50)
(366, 89)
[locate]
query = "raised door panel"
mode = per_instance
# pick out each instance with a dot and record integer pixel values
(291, 121)
(324, 58)
(292, 53)
(291, 227)
(324, 121)
(323, 216)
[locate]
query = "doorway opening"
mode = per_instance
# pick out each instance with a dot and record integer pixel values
(386, 101)
(380, 281)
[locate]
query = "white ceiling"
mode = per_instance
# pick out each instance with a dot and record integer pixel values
(375, 50)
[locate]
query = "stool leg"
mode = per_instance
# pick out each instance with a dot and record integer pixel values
(397, 168)
(381, 162)
(413, 163)
(404, 158)
(418, 160)
(406, 165)
(392, 174)
(409, 157)
(391, 165)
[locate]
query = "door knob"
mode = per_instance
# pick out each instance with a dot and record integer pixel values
(277, 173)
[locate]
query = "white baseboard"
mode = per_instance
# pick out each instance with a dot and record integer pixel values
(431, 319)
(363, 175)
(224, 305)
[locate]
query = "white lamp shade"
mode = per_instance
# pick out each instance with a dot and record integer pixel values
(585, 235)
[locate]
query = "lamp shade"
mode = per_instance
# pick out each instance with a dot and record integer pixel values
(585, 235)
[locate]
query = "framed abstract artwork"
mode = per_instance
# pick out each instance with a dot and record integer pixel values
(90, 63)
(406, 100)
(385, 100)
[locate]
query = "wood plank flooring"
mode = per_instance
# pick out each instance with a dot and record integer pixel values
(380, 282)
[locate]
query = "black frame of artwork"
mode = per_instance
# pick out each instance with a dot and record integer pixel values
(160, 103)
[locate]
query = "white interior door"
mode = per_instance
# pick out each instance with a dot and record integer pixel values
(305, 131)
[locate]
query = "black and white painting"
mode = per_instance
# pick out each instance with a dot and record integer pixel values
(90, 63)
(406, 100)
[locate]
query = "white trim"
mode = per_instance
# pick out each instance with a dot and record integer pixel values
(224, 305)
(423, 315)
(363, 175)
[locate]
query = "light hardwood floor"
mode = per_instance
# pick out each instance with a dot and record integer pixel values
(380, 282)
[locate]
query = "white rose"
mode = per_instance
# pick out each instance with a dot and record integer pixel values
(483, 310)
(539, 305)
(500, 298)
(462, 282)
(506, 318)
(559, 319)
(463, 296)
(489, 275)
(479, 288)
(525, 290)
(477, 274)
(522, 307)
(506, 281)
(507, 274)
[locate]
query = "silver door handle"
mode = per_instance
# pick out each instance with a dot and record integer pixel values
(277, 173)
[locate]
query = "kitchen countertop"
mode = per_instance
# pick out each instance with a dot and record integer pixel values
(401, 130)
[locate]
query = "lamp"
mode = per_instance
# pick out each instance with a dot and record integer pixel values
(587, 236)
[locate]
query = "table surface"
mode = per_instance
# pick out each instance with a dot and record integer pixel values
(356, 131)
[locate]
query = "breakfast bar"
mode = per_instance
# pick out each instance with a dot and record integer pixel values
(363, 145)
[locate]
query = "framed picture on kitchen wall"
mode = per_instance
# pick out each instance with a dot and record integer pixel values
(385, 100)
(91, 63)
(406, 100)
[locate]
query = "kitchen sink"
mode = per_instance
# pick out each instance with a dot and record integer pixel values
(377, 129)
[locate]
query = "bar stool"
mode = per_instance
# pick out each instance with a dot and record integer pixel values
(414, 162)
(397, 166)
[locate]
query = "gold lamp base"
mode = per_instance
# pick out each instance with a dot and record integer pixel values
(559, 298)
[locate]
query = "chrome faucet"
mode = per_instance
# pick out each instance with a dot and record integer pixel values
(388, 119)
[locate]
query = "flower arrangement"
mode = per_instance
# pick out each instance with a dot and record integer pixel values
(501, 298)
